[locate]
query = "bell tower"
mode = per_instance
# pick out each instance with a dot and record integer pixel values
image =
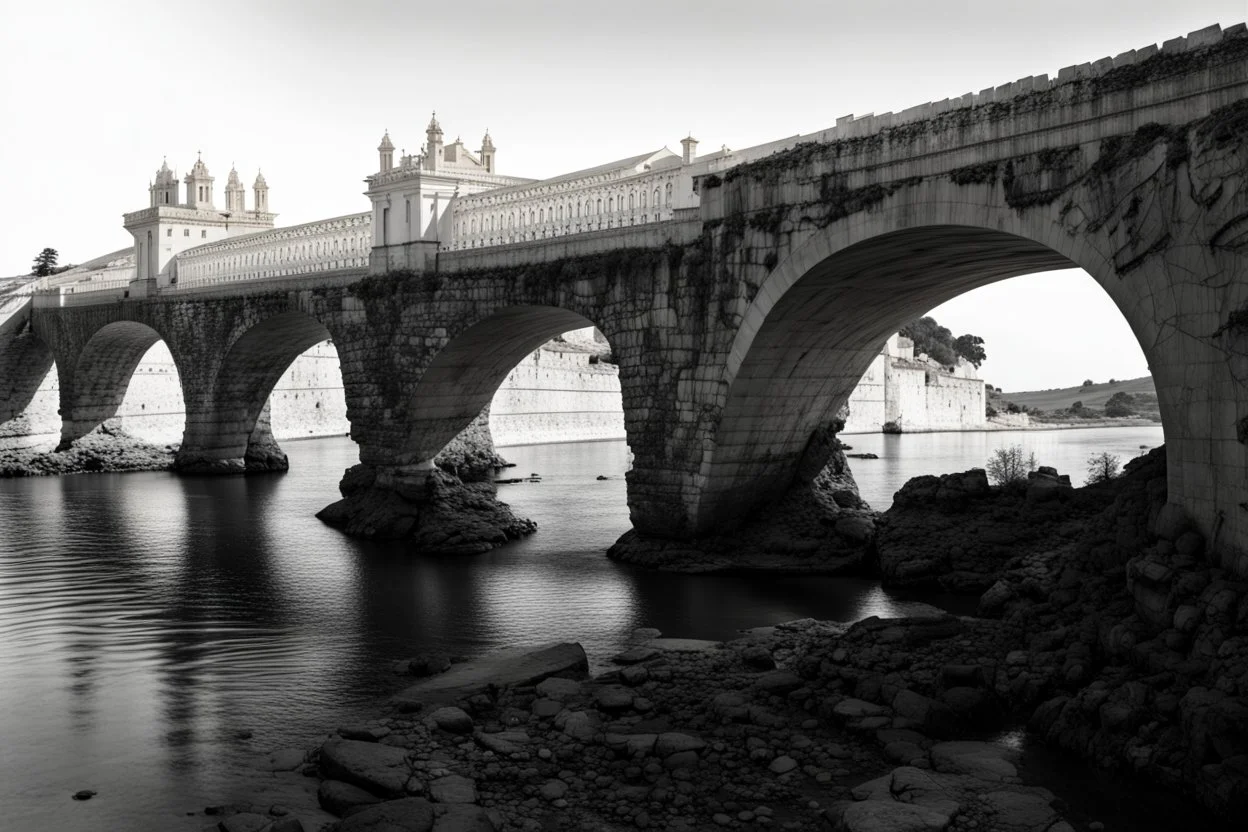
(385, 151)
(487, 152)
(261, 189)
(235, 194)
(199, 187)
(433, 145)
(164, 190)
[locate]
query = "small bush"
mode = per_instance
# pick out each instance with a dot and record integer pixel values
(1087, 382)
(1009, 467)
(990, 412)
(1102, 467)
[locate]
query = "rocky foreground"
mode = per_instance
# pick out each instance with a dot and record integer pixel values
(1106, 625)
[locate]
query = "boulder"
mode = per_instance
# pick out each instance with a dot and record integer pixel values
(453, 788)
(244, 822)
(886, 816)
(451, 719)
(462, 818)
(381, 769)
(978, 759)
(339, 798)
(411, 814)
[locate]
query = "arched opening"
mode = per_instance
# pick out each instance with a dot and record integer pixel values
(154, 408)
(233, 425)
(467, 373)
(29, 399)
(815, 327)
(95, 388)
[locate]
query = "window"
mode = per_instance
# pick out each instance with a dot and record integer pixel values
(203, 235)
(168, 232)
(186, 232)
(632, 200)
(667, 196)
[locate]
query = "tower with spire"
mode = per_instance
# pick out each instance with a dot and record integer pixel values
(261, 190)
(433, 143)
(385, 152)
(487, 151)
(199, 186)
(164, 189)
(235, 194)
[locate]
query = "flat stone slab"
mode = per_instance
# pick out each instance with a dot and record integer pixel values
(453, 788)
(411, 814)
(978, 759)
(462, 818)
(887, 816)
(505, 668)
(634, 655)
(283, 759)
(340, 798)
(683, 645)
(380, 769)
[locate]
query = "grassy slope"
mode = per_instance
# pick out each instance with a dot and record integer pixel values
(1094, 396)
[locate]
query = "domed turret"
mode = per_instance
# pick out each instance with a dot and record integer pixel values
(433, 147)
(235, 194)
(261, 189)
(164, 190)
(386, 151)
(199, 186)
(487, 151)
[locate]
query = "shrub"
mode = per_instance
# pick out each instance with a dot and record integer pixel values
(1102, 467)
(990, 412)
(1009, 467)
(1120, 404)
(1087, 382)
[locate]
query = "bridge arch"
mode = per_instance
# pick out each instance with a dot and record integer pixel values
(464, 375)
(94, 380)
(227, 426)
(820, 316)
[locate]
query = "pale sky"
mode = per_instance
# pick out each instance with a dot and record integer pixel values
(93, 94)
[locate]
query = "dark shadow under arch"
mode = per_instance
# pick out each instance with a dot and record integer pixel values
(94, 388)
(463, 377)
(803, 357)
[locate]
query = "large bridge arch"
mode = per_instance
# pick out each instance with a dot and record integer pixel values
(464, 375)
(820, 315)
(226, 425)
(94, 379)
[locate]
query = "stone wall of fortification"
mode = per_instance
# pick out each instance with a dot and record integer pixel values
(557, 397)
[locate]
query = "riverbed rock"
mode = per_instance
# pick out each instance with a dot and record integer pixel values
(505, 668)
(453, 788)
(410, 814)
(882, 816)
(340, 798)
(462, 818)
(380, 769)
(451, 719)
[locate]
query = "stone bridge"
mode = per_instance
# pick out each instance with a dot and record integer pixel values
(742, 327)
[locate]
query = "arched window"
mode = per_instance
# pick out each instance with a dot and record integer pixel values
(656, 197)
(667, 195)
(474, 225)
(643, 199)
(531, 216)
(599, 205)
(541, 215)
(632, 200)
(611, 205)
(511, 220)
(569, 210)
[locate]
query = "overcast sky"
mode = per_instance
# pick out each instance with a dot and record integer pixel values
(93, 94)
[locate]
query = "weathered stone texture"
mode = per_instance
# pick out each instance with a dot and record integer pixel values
(740, 332)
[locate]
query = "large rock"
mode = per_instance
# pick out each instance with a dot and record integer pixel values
(453, 788)
(978, 759)
(339, 798)
(506, 668)
(411, 814)
(462, 818)
(381, 769)
(882, 816)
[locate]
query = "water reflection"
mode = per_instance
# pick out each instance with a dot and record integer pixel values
(147, 620)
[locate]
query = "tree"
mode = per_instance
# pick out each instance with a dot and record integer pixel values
(1077, 406)
(1009, 467)
(1087, 382)
(940, 345)
(1120, 404)
(1102, 467)
(45, 263)
(971, 348)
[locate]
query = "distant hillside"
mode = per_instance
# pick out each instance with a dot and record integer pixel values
(1094, 395)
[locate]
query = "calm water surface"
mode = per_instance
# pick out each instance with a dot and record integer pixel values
(148, 621)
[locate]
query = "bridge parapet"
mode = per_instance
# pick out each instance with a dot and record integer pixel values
(325, 245)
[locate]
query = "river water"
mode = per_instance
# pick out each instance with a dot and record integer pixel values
(156, 629)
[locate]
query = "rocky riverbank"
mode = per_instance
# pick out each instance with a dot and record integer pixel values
(1107, 625)
(107, 448)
